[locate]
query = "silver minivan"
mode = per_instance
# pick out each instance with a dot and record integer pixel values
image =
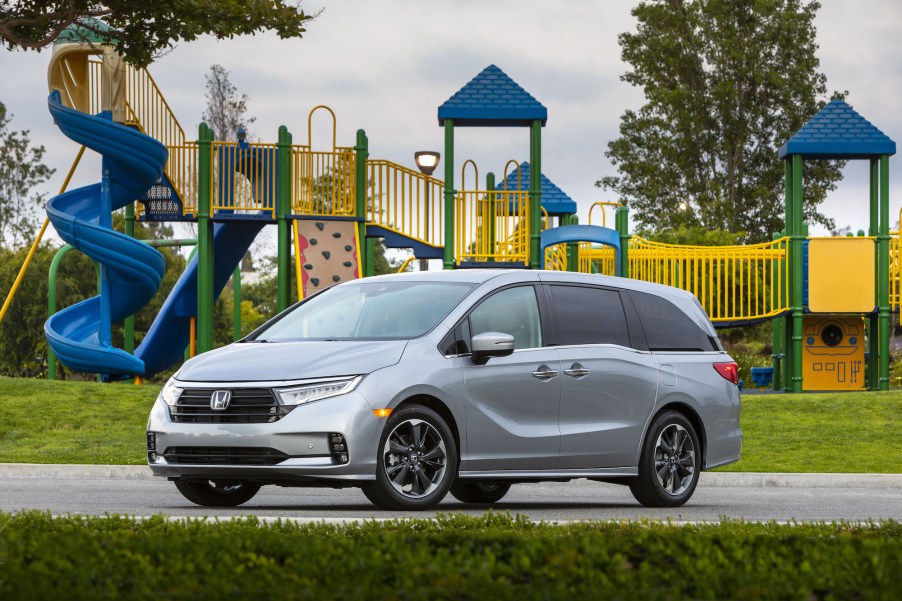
(411, 386)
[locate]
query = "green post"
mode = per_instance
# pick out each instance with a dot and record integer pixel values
(491, 212)
(535, 194)
(778, 324)
(130, 320)
(572, 247)
(883, 240)
(236, 303)
(204, 239)
(795, 298)
(51, 303)
(362, 154)
(873, 319)
(283, 209)
(448, 256)
(622, 223)
(369, 253)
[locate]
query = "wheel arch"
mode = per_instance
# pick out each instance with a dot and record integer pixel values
(443, 411)
(692, 415)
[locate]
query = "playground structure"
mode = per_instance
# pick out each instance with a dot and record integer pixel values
(331, 205)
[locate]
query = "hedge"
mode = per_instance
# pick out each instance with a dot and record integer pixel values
(451, 557)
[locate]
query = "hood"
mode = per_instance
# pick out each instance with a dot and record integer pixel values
(259, 361)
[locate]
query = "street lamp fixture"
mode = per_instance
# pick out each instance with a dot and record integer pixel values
(427, 160)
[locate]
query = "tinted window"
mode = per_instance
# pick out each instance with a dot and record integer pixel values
(513, 311)
(589, 316)
(667, 328)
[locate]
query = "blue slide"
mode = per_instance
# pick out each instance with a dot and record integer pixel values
(165, 342)
(134, 270)
(135, 162)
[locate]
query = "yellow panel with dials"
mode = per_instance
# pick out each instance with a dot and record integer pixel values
(841, 275)
(833, 353)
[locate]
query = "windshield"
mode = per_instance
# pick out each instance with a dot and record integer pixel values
(368, 311)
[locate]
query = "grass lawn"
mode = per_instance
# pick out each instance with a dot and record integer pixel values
(82, 422)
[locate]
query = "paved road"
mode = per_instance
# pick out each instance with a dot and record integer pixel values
(748, 496)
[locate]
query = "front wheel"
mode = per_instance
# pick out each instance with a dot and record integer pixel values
(416, 463)
(669, 464)
(217, 493)
(479, 492)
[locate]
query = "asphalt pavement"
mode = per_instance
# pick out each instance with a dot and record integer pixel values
(132, 490)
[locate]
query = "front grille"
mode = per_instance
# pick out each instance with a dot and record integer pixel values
(248, 406)
(224, 455)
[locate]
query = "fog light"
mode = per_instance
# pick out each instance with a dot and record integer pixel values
(152, 457)
(338, 447)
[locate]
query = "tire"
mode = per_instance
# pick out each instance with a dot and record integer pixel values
(668, 479)
(418, 436)
(217, 493)
(479, 492)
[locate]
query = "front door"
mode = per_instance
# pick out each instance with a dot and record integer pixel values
(513, 401)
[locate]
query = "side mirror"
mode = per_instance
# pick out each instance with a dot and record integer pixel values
(491, 344)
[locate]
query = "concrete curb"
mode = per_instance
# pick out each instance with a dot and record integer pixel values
(708, 479)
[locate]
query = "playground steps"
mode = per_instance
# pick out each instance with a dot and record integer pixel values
(329, 253)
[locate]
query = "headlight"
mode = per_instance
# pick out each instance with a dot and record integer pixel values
(170, 393)
(298, 395)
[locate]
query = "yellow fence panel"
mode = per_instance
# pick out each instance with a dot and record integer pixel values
(405, 201)
(594, 258)
(244, 177)
(733, 283)
(323, 183)
(894, 271)
(491, 226)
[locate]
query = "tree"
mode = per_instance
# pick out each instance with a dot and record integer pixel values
(21, 170)
(726, 82)
(226, 109)
(141, 30)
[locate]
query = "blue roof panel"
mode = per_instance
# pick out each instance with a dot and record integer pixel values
(554, 200)
(838, 132)
(492, 99)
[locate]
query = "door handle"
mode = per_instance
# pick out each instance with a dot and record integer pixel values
(544, 374)
(577, 373)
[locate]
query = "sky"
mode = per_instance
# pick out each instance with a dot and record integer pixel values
(386, 67)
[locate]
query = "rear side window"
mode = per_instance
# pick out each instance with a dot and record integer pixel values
(585, 315)
(667, 328)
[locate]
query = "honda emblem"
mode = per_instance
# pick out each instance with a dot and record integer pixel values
(220, 400)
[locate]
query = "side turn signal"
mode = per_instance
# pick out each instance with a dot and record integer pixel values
(381, 412)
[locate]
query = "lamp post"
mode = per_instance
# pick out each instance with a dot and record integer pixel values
(427, 161)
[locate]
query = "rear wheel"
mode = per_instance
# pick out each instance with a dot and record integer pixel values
(479, 492)
(416, 463)
(217, 493)
(669, 464)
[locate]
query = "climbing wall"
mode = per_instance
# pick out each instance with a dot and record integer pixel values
(330, 253)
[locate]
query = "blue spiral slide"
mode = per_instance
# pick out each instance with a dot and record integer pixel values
(133, 270)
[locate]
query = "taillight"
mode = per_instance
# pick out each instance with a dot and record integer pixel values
(729, 371)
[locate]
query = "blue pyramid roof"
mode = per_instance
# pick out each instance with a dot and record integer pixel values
(492, 99)
(838, 132)
(554, 200)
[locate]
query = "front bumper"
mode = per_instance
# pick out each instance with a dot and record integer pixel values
(302, 435)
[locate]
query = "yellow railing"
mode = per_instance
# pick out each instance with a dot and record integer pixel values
(243, 178)
(732, 282)
(489, 226)
(146, 107)
(597, 259)
(895, 273)
(323, 183)
(405, 201)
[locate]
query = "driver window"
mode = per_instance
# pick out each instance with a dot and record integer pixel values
(514, 311)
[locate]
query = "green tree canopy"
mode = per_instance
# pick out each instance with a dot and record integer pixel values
(726, 82)
(21, 170)
(143, 29)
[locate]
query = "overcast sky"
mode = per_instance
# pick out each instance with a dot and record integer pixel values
(386, 66)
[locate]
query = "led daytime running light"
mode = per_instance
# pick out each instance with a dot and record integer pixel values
(299, 395)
